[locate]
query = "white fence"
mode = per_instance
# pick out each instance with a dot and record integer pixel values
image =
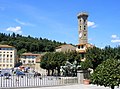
(35, 81)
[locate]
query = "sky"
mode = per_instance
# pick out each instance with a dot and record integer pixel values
(57, 20)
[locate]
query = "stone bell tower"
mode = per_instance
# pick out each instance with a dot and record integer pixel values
(82, 27)
(83, 44)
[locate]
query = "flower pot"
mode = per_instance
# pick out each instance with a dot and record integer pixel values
(86, 81)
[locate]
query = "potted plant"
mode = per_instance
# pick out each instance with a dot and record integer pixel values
(86, 81)
(84, 66)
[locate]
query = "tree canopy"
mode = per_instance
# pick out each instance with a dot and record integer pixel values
(97, 55)
(54, 60)
(107, 73)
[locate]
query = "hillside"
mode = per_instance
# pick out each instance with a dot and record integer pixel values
(29, 44)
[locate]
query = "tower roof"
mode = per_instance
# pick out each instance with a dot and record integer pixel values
(81, 14)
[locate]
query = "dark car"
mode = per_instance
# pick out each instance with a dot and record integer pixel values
(7, 74)
(20, 73)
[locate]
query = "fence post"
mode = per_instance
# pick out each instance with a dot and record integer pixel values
(80, 76)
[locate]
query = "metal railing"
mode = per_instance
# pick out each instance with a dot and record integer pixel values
(29, 80)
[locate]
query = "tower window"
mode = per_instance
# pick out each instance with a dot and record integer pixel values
(84, 21)
(82, 46)
(80, 20)
(84, 27)
(82, 56)
(84, 34)
(80, 27)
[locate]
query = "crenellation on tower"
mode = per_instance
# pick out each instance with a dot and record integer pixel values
(82, 14)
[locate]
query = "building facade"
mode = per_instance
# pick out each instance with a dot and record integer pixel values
(29, 59)
(8, 55)
(33, 61)
(82, 48)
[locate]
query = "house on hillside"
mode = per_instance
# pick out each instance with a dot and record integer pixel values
(65, 48)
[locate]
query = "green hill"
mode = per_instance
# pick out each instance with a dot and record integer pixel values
(28, 43)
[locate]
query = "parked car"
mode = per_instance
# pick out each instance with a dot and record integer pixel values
(1, 75)
(20, 73)
(7, 74)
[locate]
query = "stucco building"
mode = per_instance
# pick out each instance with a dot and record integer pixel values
(8, 55)
(33, 61)
(29, 59)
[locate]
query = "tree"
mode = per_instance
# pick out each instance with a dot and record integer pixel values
(107, 73)
(86, 64)
(109, 52)
(45, 62)
(95, 55)
(53, 60)
(13, 35)
(59, 58)
(21, 51)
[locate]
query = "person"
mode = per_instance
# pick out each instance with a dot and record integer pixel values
(17, 79)
(37, 74)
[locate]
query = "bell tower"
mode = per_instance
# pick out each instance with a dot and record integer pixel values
(82, 27)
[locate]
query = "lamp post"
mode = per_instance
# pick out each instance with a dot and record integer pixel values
(75, 67)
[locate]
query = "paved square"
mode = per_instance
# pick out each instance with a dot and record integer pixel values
(77, 86)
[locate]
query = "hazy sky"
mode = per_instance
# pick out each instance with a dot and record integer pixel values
(57, 19)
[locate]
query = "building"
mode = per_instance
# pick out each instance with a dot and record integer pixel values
(33, 61)
(82, 48)
(8, 55)
(83, 34)
(29, 59)
(65, 48)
